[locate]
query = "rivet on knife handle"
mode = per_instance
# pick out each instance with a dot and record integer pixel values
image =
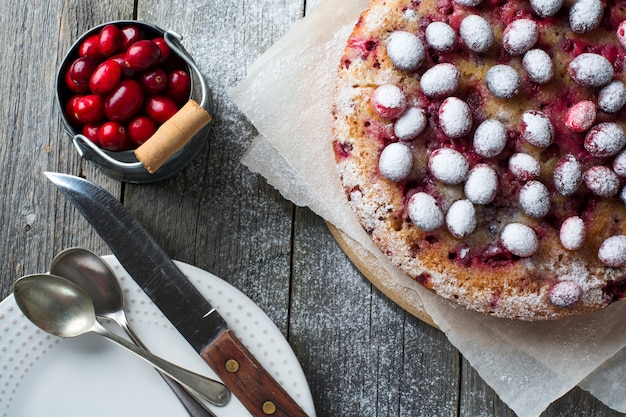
(250, 382)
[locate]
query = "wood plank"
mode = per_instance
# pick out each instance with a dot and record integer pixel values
(363, 354)
(35, 221)
(228, 220)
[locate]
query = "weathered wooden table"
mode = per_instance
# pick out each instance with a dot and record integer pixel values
(362, 354)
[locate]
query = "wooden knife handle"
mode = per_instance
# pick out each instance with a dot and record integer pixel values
(248, 380)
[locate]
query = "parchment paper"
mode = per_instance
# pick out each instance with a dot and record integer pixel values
(287, 95)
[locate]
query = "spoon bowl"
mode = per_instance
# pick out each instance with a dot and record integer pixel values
(89, 271)
(55, 305)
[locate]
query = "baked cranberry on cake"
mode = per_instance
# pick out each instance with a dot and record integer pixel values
(481, 145)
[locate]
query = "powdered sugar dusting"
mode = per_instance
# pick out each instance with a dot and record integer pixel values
(612, 97)
(519, 36)
(440, 36)
(538, 66)
(503, 81)
(476, 33)
(455, 117)
(572, 233)
(537, 128)
(410, 124)
(568, 174)
(489, 138)
(590, 70)
(440, 80)
(388, 101)
(612, 252)
(619, 164)
(581, 116)
(405, 50)
(535, 199)
(448, 165)
(481, 185)
(565, 294)
(395, 162)
(605, 139)
(424, 211)
(461, 218)
(585, 15)
(545, 8)
(524, 166)
(602, 181)
(519, 239)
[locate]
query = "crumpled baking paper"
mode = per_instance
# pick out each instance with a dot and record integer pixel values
(287, 95)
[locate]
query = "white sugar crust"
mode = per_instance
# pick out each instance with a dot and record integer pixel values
(568, 175)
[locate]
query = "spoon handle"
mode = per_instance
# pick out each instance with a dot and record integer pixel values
(213, 391)
(189, 399)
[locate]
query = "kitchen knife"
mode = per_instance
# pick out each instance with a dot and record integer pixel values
(193, 316)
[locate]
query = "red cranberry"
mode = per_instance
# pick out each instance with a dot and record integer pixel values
(89, 108)
(166, 51)
(160, 108)
(142, 55)
(153, 81)
(124, 101)
(91, 47)
(78, 74)
(110, 40)
(112, 136)
(90, 130)
(105, 77)
(130, 35)
(179, 86)
(69, 111)
(141, 129)
(127, 72)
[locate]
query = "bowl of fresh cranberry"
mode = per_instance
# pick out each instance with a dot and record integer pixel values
(117, 85)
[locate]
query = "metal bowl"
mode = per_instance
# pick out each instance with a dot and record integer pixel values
(123, 165)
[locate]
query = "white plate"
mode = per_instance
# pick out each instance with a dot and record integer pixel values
(43, 375)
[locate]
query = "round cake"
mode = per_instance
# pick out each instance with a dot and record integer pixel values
(481, 145)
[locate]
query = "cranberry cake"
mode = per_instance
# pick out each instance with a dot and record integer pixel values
(481, 145)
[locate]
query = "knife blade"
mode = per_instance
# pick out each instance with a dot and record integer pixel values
(170, 290)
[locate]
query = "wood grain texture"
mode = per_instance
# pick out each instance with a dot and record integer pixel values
(363, 355)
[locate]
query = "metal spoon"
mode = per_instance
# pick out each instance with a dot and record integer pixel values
(61, 308)
(91, 273)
